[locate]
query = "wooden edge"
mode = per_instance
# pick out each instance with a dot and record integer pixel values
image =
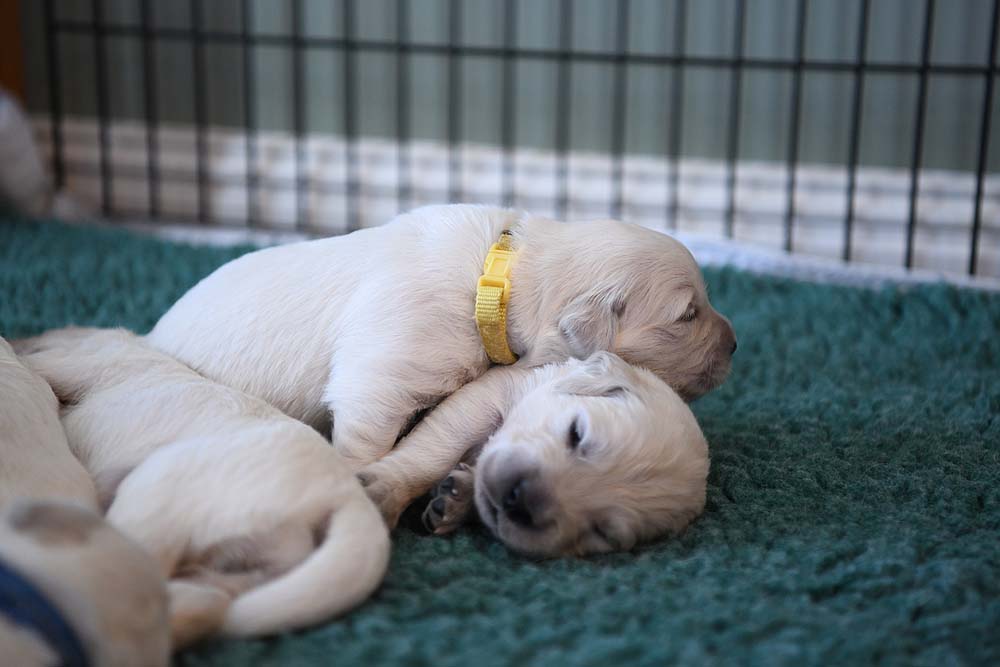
(11, 55)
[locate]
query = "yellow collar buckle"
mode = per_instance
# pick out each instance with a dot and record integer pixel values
(492, 296)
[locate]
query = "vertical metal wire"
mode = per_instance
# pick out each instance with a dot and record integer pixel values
(404, 184)
(200, 113)
(151, 109)
(856, 106)
(251, 180)
(55, 93)
(618, 111)
(563, 81)
(103, 100)
(984, 139)
(350, 129)
(507, 101)
(734, 115)
(455, 113)
(301, 178)
(918, 134)
(793, 136)
(676, 112)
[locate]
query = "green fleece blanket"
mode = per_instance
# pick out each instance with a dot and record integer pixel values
(853, 510)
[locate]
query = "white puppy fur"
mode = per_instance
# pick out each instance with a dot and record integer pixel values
(579, 457)
(231, 496)
(107, 588)
(35, 460)
(370, 328)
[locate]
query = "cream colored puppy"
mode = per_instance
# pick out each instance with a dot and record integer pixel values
(364, 331)
(71, 586)
(35, 460)
(579, 457)
(104, 587)
(233, 497)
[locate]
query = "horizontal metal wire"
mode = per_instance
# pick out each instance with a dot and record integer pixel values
(457, 50)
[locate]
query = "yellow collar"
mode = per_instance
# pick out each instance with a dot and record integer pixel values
(492, 295)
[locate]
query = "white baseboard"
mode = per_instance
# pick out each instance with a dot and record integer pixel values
(944, 205)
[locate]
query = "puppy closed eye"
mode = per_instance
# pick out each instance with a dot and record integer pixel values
(605, 536)
(575, 436)
(690, 314)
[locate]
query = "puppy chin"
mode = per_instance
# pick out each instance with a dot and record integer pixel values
(513, 537)
(711, 377)
(541, 542)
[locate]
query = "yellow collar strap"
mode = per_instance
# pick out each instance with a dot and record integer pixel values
(492, 295)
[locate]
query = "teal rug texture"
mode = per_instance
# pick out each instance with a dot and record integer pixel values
(854, 500)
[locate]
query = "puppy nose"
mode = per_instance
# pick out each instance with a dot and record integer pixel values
(733, 351)
(515, 503)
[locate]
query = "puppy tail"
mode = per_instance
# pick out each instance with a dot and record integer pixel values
(343, 571)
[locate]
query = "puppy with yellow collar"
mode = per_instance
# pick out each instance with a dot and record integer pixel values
(356, 335)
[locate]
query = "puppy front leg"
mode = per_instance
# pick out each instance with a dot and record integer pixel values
(462, 421)
(452, 501)
(370, 407)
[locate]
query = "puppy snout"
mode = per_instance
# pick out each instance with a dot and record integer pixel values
(520, 502)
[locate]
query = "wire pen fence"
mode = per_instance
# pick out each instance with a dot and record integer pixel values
(353, 181)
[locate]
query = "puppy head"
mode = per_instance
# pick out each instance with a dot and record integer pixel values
(646, 301)
(107, 587)
(597, 460)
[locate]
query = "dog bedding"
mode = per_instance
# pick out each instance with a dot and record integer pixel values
(853, 509)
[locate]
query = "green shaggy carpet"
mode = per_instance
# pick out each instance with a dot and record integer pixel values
(854, 501)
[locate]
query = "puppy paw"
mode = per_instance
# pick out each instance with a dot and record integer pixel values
(384, 492)
(451, 501)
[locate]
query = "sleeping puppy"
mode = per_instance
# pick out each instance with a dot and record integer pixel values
(103, 598)
(35, 460)
(361, 332)
(72, 588)
(254, 517)
(580, 457)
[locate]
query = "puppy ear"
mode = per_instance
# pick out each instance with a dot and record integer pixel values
(589, 322)
(601, 374)
(54, 524)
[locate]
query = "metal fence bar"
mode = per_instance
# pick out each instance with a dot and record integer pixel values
(350, 129)
(150, 108)
(511, 56)
(507, 102)
(856, 106)
(404, 185)
(200, 112)
(55, 92)
(299, 118)
(564, 72)
(618, 109)
(677, 112)
(734, 115)
(984, 141)
(455, 114)
(103, 113)
(249, 72)
(793, 131)
(918, 133)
